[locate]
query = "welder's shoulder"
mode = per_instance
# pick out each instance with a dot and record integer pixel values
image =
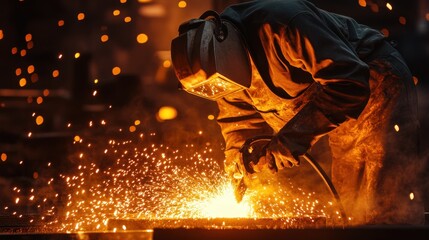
(283, 10)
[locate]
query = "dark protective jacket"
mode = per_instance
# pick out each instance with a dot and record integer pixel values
(317, 73)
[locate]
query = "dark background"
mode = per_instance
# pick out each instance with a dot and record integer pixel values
(146, 82)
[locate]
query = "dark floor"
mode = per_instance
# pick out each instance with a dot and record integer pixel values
(367, 233)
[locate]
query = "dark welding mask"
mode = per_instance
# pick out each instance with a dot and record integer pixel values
(210, 58)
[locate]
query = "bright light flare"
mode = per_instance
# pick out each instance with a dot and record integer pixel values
(222, 204)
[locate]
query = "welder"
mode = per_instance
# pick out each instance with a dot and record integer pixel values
(288, 69)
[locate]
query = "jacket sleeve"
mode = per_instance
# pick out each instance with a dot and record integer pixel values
(317, 46)
(239, 121)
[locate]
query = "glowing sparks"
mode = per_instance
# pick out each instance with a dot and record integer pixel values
(402, 20)
(142, 38)
(30, 69)
(182, 4)
(80, 16)
(396, 128)
(55, 73)
(22, 82)
(389, 6)
(39, 120)
(104, 38)
(167, 113)
(116, 71)
(411, 196)
(166, 63)
(3, 157)
(222, 204)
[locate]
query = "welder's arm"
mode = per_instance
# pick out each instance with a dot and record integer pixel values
(238, 121)
(308, 43)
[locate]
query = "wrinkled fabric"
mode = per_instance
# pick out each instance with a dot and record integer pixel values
(317, 73)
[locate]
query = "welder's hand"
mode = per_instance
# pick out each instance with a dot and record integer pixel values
(236, 172)
(233, 164)
(278, 156)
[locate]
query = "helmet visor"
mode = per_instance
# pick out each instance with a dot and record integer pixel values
(213, 88)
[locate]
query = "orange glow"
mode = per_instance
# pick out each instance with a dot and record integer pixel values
(80, 16)
(127, 19)
(142, 38)
(362, 3)
(144, 1)
(411, 196)
(167, 113)
(14, 50)
(375, 8)
(60, 23)
(39, 120)
(123, 1)
(116, 71)
(137, 122)
(1, 34)
(77, 138)
(39, 100)
(30, 69)
(132, 128)
(30, 45)
(34, 77)
(55, 73)
(210, 117)
(3, 157)
(18, 71)
(35, 176)
(23, 52)
(166, 64)
(402, 20)
(28, 37)
(385, 32)
(104, 38)
(416, 80)
(182, 4)
(427, 16)
(116, 12)
(22, 82)
(46, 92)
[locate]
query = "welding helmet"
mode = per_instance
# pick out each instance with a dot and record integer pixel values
(210, 58)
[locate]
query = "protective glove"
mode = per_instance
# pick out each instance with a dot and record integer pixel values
(235, 170)
(277, 156)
